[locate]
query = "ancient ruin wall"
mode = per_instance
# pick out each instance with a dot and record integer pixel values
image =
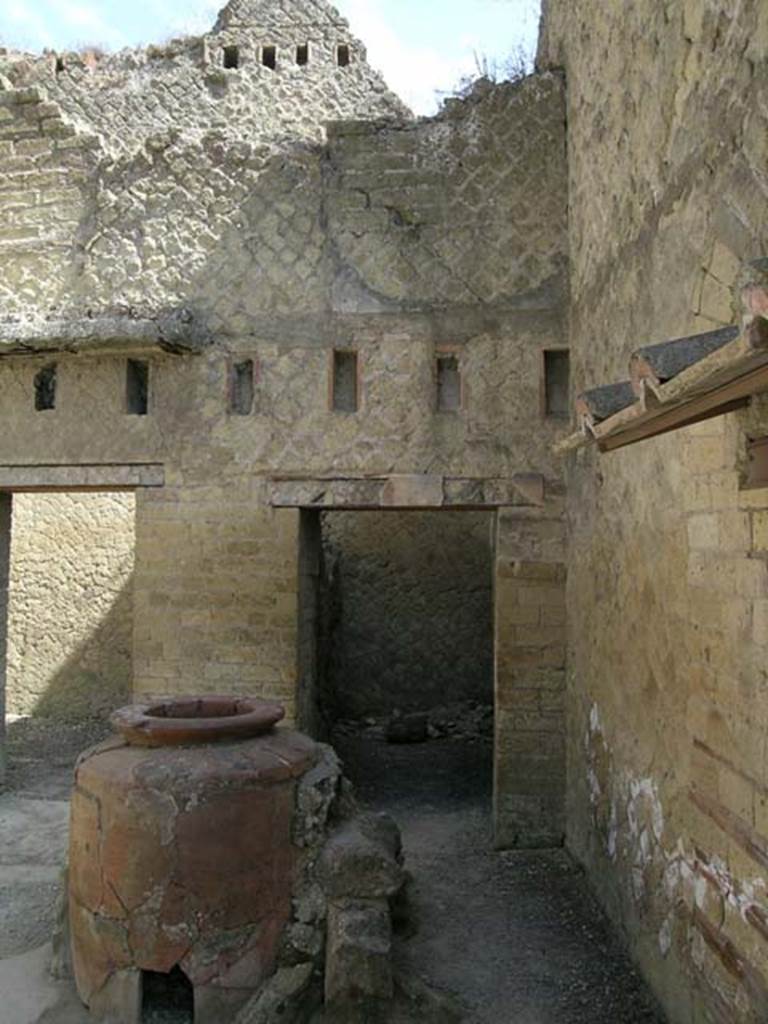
(668, 585)
(268, 252)
(410, 611)
(70, 627)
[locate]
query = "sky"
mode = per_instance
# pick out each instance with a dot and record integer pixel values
(422, 47)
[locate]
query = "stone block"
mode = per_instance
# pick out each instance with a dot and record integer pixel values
(415, 491)
(760, 530)
(282, 998)
(361, 860)
(703, 531)
(358, 966)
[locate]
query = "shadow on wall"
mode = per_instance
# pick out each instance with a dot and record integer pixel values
(97, 676)
(70, 616)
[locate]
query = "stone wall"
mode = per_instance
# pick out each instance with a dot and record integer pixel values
(280, 258)
(529, 679)
(411, 623)
(70, 616)
(667, 579)
(5, 560)
(281, 215)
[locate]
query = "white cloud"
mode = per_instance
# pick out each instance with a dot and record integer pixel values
(415, 72)
(32, 29)
(195, 17)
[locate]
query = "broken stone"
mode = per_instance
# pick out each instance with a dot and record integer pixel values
(383, 829)
(282, 1000)
(358, 966)
(302, 942)
(361, 861)
(316, 795)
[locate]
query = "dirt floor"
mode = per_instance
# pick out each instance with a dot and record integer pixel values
(517, 938)
(512, 938)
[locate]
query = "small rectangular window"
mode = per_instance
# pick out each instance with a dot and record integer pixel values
(757, 463)
(137, 387)
(344, 395)
(269, 57)
(45, 389)
(231, 57)
(241, 388)
(59, 65)
(556, 382)
(343, 56)
(448, 383)
(302, 55)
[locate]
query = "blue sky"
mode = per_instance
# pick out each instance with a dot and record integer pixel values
(421, 46)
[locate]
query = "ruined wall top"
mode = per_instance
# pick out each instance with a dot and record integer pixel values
(267, 69)
(280, 15)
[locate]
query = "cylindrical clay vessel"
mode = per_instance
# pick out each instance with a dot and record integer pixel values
(181, 853)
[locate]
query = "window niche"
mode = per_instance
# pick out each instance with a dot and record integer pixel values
(242, 382)
(448, 384)
(45, 389)
(345, 389)
(231, 57)
(302, 55)
(343, 55)
(137, 387)
(556, 383)
(269, 57)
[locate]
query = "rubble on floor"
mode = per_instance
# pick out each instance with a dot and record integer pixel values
(462, 720)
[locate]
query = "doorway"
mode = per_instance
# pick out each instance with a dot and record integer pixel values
(397, 637)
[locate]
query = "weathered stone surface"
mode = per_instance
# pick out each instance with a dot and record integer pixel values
(361, 860)
(358, 966)
(171, 179)
(231, 215)
(172, 332)
(316, 794)
(280, 1001)
(666, 594)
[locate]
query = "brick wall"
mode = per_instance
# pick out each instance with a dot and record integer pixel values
(666, 579)
(529, 608)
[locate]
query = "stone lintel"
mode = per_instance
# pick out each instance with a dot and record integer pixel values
(177, 332)
(406, 491)
(96, 477)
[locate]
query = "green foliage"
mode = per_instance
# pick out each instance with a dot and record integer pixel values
(518, 64)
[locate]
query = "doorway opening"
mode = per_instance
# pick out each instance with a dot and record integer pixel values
(397, 651)
(67, 628)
